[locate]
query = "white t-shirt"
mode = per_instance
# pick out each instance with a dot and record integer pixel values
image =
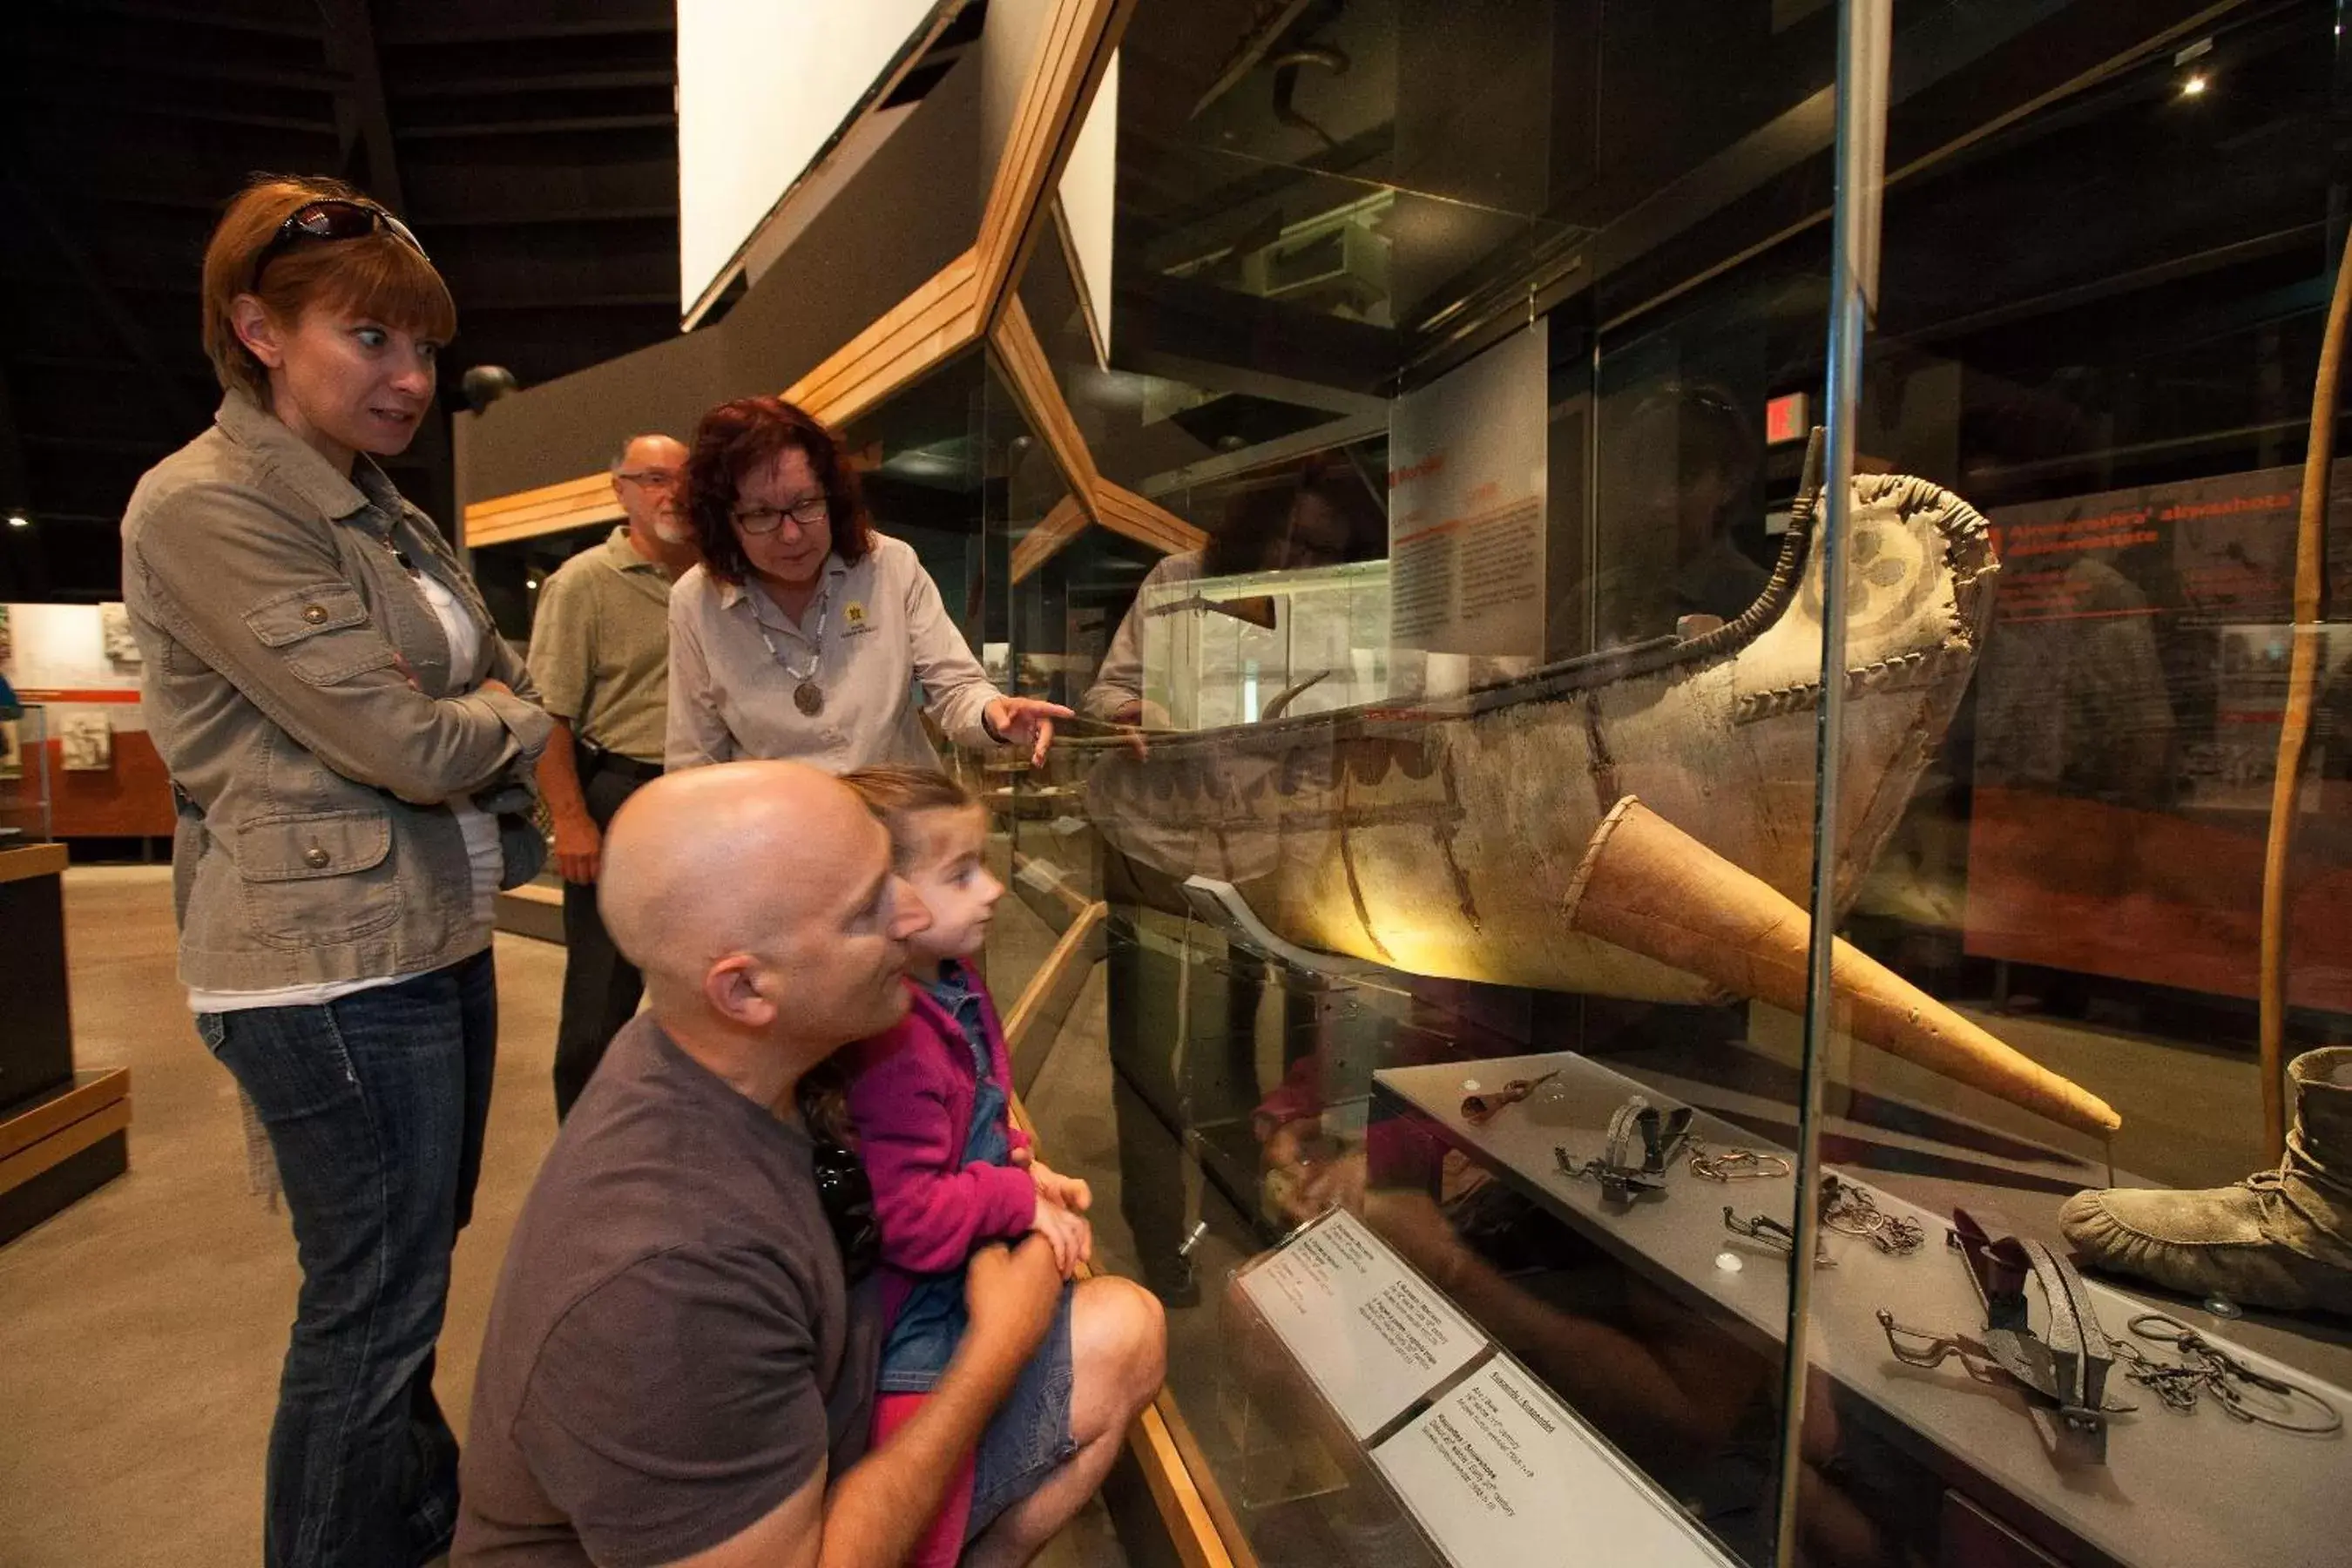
(485, 860)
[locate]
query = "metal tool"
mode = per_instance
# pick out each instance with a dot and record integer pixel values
(2063, 1370)
(1773, 1234)
(1850, 1210)
(1480, 1109)
(1735, 1164)
(1642, 1143)
(2242, 1393)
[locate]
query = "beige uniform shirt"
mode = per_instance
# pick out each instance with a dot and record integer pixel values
(886, 634)
(600, 648)
(1121, 680)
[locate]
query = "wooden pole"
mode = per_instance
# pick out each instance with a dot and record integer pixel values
(2303, 682)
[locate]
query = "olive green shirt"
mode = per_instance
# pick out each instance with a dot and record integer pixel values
(600, 648)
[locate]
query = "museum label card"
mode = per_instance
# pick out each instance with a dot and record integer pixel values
(1372, 1335)
(1499, 1474)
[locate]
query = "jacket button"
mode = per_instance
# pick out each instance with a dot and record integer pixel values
(315, 857)
(314, 613)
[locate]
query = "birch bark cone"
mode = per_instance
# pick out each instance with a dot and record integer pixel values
(1647, 886)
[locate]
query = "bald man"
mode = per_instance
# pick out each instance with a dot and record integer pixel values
(677, 1368)
(600, 656)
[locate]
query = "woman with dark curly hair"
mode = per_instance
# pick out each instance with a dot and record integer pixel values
(804, 633)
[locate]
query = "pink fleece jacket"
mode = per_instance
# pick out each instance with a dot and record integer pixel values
(910, 1099)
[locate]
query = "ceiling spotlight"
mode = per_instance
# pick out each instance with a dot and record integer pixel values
(18, 520)
(531, 581)
(2194, 85)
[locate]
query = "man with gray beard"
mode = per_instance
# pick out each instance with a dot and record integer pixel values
(600, 650)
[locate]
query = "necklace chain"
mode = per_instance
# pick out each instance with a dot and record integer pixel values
(824, 611)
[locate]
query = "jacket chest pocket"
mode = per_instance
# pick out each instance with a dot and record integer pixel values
(318, 877)
(323, 632)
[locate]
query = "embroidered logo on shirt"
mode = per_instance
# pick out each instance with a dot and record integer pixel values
(852, 617)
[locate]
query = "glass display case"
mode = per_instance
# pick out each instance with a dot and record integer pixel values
(1413, 941)
(1217, 651)
(1695, 908)
(25, 777)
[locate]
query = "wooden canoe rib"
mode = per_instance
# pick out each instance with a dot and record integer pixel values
(1445, 839)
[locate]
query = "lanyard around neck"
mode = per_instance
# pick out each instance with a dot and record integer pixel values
(816, 656)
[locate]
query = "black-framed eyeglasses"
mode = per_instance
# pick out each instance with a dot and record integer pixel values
(333, 218)
(653, 479)
(846, 1196)
(768, 519)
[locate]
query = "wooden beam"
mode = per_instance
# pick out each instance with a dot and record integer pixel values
(1146, 522)
(940, 319)
(1115, 508)
(1042, 542)
(1029, 376)
(215, 67)
(568, 492)
(360, 117)
(56, 1149)
(92, 1093)
(217, 17)
(64, 1125)
(1096, 322)
(954, 308)
(1201, 1523)
(657, 20)
(1076, 50)
(165, 384)
(585, 122)
(1188, 1499)
(546, 81)
(1191, 1473)
(930, 326)
(1052, 973)
(550, 509)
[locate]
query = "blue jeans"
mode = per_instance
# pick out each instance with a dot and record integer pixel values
(374, 1105)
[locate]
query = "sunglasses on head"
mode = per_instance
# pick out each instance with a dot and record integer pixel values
(332, 219)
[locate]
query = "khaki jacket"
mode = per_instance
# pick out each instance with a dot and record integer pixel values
(297, 686)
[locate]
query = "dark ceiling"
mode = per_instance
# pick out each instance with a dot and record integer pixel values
(532, 144)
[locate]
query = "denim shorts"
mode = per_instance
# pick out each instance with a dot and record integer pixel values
(1029, 1437)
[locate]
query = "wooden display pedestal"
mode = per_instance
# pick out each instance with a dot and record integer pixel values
(533, 909)
(62, 1133)
(62, 1146)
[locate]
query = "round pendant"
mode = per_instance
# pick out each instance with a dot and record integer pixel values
(809, 698)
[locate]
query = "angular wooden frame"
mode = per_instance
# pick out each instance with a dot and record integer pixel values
(962, 304)
(974, 300)
(1029, 376)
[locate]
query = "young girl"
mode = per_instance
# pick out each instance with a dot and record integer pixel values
(928, 1103)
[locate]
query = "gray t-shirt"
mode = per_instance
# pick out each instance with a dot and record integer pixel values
(672, 1351)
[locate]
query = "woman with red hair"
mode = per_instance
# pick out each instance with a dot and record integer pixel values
(351, 747)
(804, 633)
